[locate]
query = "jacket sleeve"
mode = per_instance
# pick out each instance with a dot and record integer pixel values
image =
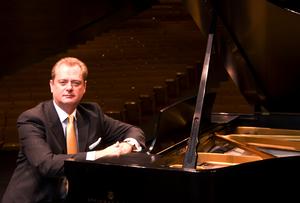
(37, 147)
(115, 130)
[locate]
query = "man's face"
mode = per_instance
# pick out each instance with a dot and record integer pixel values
(68, 86)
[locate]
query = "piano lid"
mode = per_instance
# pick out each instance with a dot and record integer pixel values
(259, 45)
(290, 5)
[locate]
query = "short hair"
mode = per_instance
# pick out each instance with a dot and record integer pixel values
(70, 61)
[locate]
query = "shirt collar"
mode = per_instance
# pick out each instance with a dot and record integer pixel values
(62, 114)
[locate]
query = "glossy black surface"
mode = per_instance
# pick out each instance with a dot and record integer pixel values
(291, 5)
(149, 178)
(259, 44)
(266, 180)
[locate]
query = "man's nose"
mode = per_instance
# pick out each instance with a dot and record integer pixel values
(69, 86)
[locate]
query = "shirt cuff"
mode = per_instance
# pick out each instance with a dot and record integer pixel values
(91, 156)
(136, 146)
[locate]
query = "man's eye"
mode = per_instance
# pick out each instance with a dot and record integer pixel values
(76, 83)
(62, 83)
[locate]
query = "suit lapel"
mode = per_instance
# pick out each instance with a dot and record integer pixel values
(56, 127)
(82, 126)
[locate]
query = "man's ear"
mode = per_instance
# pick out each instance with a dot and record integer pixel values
(51, 84)
(85, 85)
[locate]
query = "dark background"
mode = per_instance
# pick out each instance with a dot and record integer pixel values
(31, 30)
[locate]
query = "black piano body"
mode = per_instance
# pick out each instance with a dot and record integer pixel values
(239, 158)
(143, 177)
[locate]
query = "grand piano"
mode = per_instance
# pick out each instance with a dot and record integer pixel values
(203, 156)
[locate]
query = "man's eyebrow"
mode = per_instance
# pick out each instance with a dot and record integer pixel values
(62, 80)
(73, 80)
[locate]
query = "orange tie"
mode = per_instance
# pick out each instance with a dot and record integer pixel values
(71, 136)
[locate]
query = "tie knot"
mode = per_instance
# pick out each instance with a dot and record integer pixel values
(70, 118)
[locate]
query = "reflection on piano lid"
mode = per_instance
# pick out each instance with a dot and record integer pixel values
(290, 5)
(238, 158)
(173, 123)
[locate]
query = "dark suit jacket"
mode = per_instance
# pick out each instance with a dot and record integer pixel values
(37, 177)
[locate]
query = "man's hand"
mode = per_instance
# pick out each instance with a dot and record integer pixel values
(114, 150)
(125, 147)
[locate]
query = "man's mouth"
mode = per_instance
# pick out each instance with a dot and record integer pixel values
(69, 95)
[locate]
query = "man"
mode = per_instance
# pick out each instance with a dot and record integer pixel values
(39, 175)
